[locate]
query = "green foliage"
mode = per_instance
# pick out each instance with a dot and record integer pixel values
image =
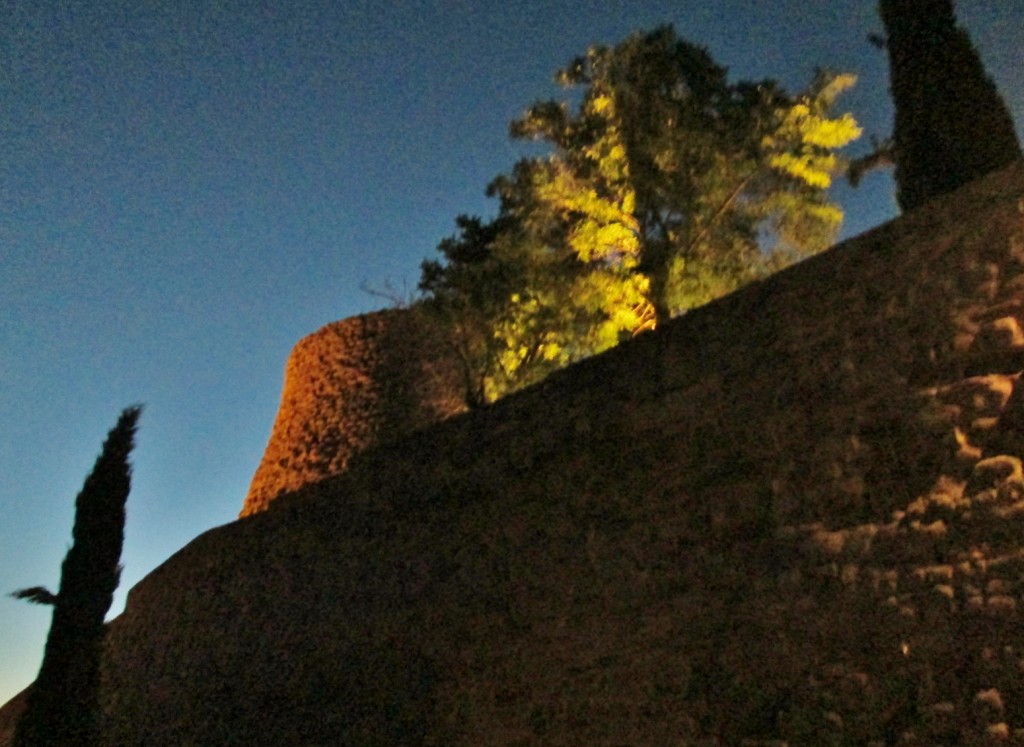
(62, 706)
(473, 292)
(667, 187)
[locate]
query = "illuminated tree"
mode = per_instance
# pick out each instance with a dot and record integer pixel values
(666, 188)
(700, 166)
(951, 124)
(470, 292)
(62, 706)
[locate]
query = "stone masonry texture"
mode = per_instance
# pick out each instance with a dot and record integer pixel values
(351, 385)
(792, 517)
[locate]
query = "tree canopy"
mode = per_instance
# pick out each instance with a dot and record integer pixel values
(951, 124)
(665, 186)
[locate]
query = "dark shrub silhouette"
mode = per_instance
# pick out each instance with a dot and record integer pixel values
(951, 127)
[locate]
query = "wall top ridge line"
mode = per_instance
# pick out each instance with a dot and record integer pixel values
(851, 257)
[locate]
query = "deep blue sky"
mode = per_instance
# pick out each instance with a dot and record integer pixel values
(189, 187)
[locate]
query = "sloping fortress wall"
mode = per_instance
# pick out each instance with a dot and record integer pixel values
(349, 386)
(792, 517)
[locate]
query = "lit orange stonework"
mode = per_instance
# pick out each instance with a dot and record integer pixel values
(348, 386)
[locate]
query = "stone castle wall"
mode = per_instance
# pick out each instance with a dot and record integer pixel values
(794, 516)
(349, 386)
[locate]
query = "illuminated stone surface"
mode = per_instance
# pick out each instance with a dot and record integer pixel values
(351, 385)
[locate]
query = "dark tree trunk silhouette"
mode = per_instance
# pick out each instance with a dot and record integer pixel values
(951, 124)
(62, 707)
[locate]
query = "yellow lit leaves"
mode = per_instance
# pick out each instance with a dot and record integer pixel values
(804, 139)
(603, 228)
(829, 85)
(601, 104)
(621, 299)
(809, 128)
(832, 133)
(816, 171)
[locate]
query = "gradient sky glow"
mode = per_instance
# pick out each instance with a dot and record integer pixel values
(187, 187)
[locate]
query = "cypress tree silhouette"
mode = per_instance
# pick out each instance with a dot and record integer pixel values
(62, 707)
(951, 124)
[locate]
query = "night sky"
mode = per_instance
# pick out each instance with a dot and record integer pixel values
(189, 187)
